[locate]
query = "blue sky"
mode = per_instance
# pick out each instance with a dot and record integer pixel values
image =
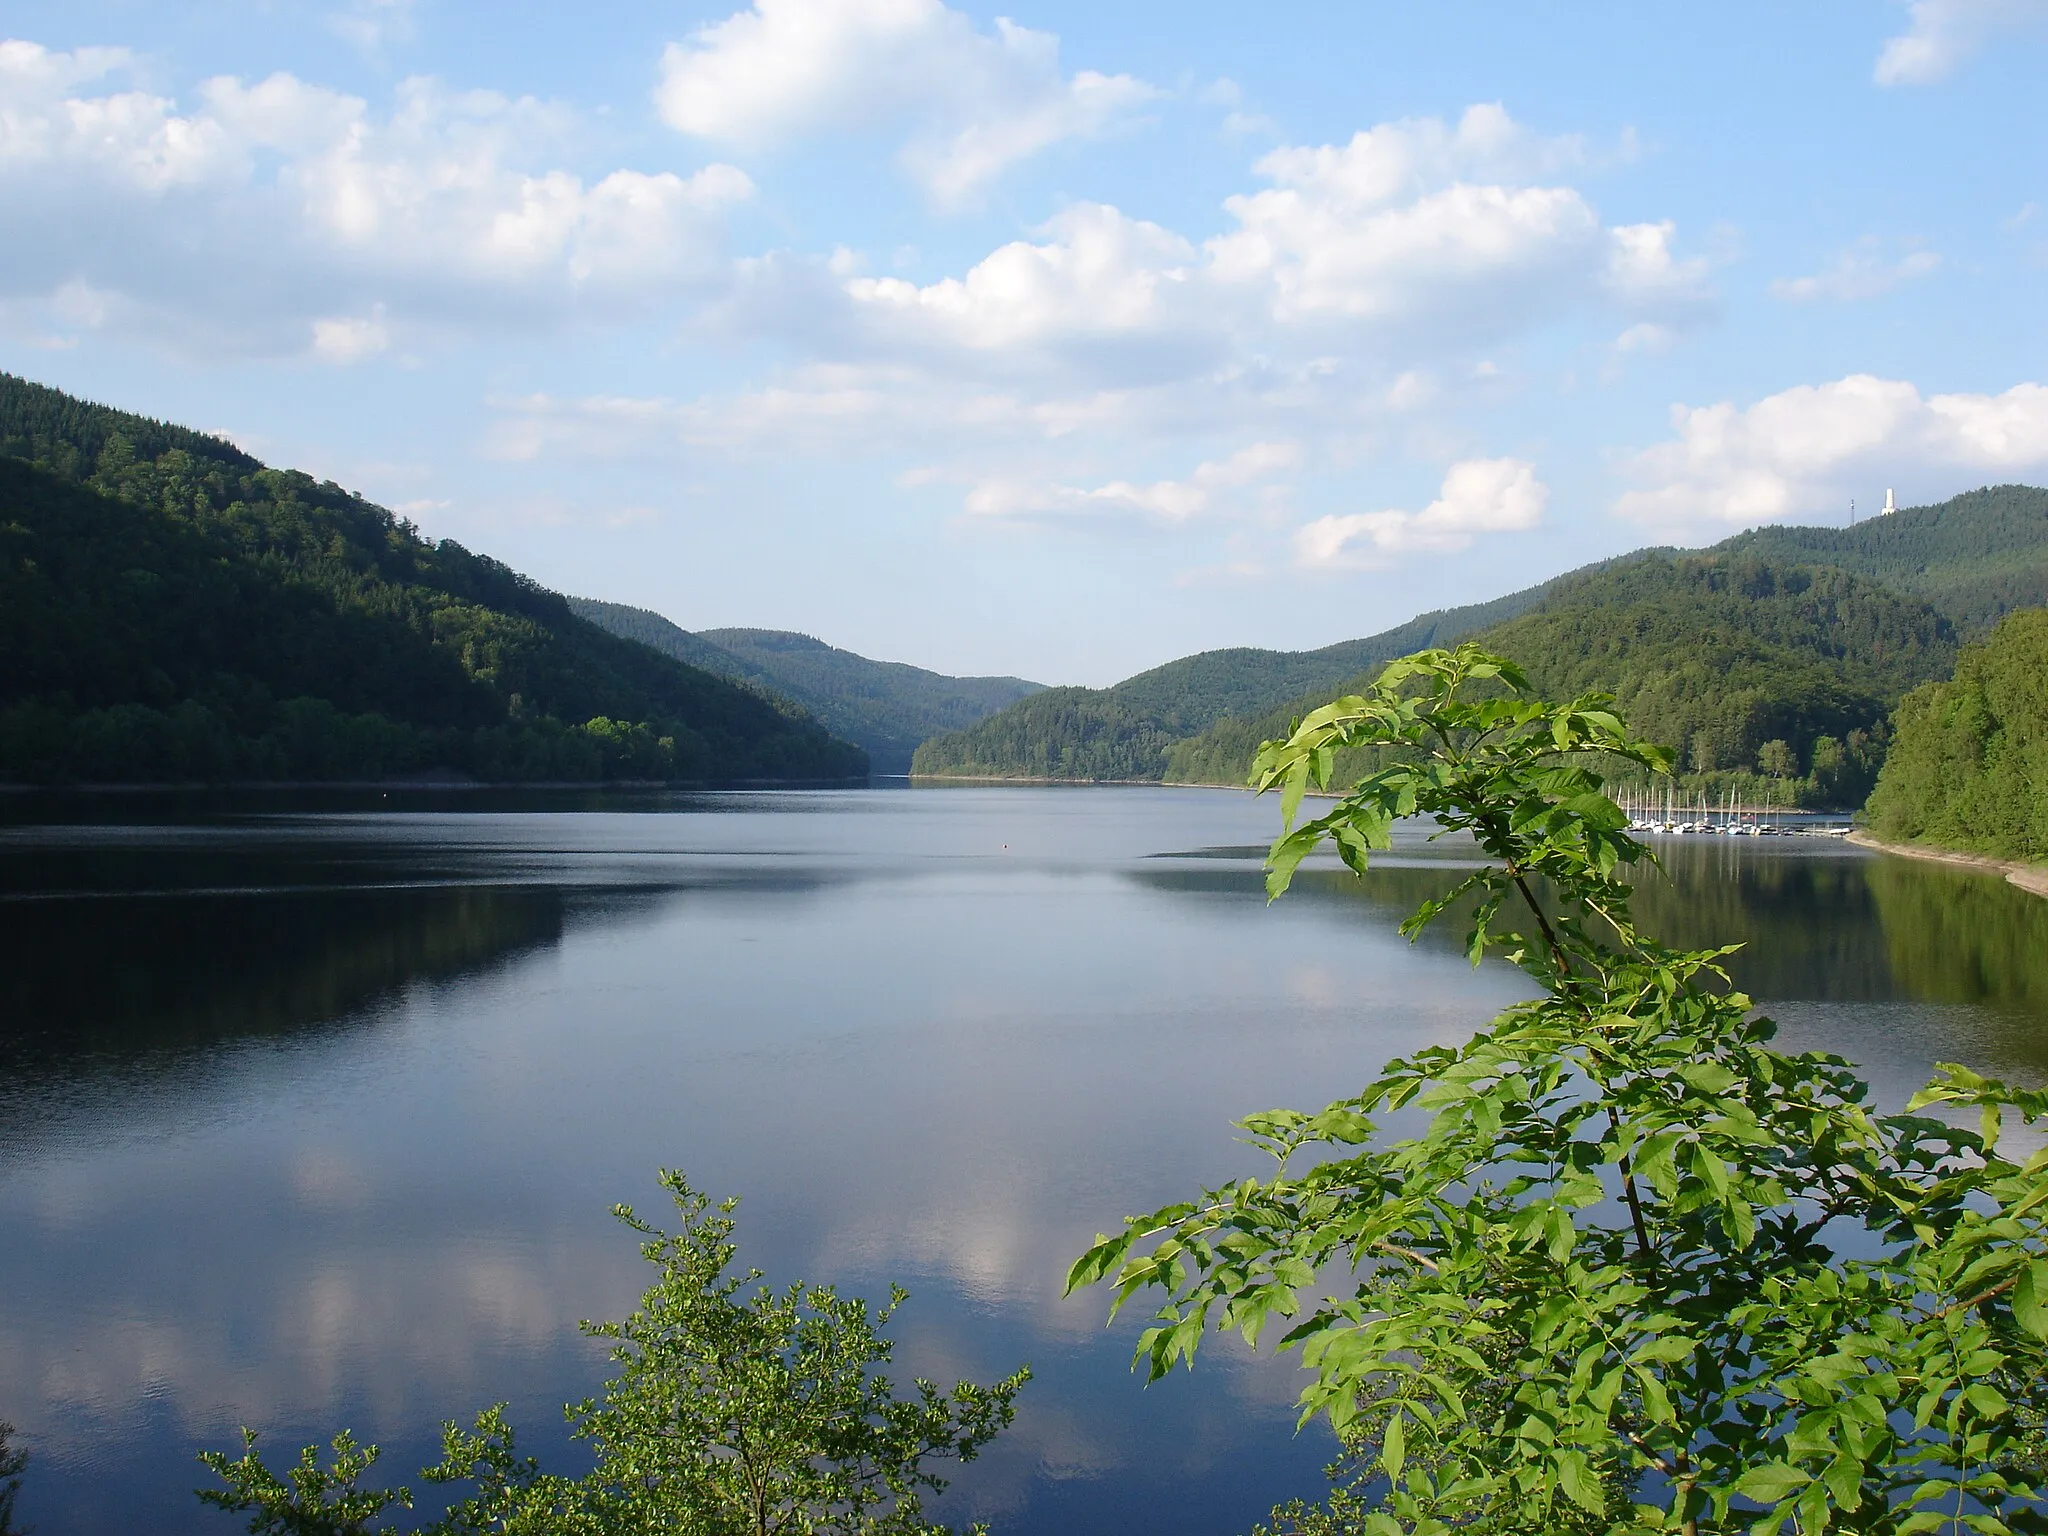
(1058, 342)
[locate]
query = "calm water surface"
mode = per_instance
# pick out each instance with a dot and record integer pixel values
(311, 1116)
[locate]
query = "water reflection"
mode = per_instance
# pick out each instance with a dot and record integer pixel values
(1962, 937)
(1817, 920)
(324, 1130)
(122, 976)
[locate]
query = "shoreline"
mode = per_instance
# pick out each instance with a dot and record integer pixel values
(1021, 778)
(1313, 794)
(2031, 878)
(422, 785)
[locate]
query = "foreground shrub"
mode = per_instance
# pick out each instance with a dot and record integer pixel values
(1638, 1271)
(737, 1411)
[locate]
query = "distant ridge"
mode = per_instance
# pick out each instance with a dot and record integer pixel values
(1128, 731)
(671, 639)
(886, 707)
(1976, 556)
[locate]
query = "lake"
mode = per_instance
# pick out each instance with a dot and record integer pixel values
(312, 1110)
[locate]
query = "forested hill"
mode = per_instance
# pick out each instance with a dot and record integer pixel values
(1781, 673)
(1975, 556)
(172, 609)
(1128, 731)
(671, 639)
(887, 707)
(1969, 760)
(1200, 719)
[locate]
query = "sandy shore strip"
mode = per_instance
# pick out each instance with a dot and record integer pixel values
(2028, 877)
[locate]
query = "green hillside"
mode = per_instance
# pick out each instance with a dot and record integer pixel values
(651, 629)
(1972, 558)
(171, 609)
(1128, 731)
(1968, 766)
(1716, 657)
(1740, 666)
(1975, 556)
(908, 701)
(887, 707)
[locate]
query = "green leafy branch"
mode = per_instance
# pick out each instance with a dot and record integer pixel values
(1638, 1267)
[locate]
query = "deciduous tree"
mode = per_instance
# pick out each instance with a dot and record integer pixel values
(1637, 1270)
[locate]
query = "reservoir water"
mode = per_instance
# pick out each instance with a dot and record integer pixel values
(312, 1111)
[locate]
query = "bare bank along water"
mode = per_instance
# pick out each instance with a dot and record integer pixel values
(311, 1110)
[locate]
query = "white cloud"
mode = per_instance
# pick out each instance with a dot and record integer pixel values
(1348, 309)
(439, 187)
(1387, 249)
(1803, 452)
(26, 66)
(370, 24)
(1229, 95)
(129, 137)
(1398, 160)
(1099, 272)
(350, 338)
(1647, 338)
(1860, 272)
(820, 408)
(1412, 221)
(1645, 276)
(253, 212)
(267, 213)
(1940, 34)
(1427, 257)
(1478, 496)
(977, 104)
(1169, 501)
(1000, 429)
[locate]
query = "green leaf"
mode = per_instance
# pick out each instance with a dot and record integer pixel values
(1604, 1390)
(1668, 1349)
(1711, 1169)
(1656, 1401)
(1709, 1077)
(1844, 1478)
(2030, 1299)
(1285, 857)
(1986, 1399)
(1741, 1219)
(1575, 1476)
(1772, 1482)
(1394, 1446)
(1098, 1261)
(1292, 787)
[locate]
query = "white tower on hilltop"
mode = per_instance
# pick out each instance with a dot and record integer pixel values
(1889, 504)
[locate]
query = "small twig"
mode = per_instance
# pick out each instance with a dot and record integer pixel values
(1651, 1456)
(1981, 1296)
(1410, 1254)
(1635, 1203)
